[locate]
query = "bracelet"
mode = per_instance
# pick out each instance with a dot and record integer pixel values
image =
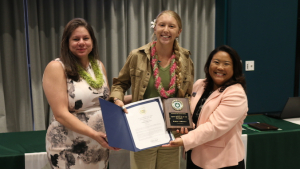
(116, 100)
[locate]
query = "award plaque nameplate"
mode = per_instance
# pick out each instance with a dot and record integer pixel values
(177, 113)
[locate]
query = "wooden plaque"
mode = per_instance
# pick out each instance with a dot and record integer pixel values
(177, 113)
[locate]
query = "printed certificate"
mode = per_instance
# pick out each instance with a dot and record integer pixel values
(142, 128)
(146, 122)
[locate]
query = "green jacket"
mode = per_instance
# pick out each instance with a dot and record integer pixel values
(137, 71)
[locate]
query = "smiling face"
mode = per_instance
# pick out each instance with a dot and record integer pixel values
(221, 68)
(80, 42)
(166, 29)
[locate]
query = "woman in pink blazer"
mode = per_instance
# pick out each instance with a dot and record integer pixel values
(219, 105)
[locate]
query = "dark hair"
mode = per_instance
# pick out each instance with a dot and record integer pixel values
(237, 76)
(66, 56)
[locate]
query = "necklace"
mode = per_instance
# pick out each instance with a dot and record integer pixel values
(158, 85)
(96, 84)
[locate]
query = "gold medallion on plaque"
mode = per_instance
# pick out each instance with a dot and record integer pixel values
(177, 105)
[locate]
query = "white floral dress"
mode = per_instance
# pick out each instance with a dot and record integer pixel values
(68, 149)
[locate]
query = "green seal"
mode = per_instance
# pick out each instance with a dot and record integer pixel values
(177, 105)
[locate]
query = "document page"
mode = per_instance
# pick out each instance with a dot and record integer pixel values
(147, 124)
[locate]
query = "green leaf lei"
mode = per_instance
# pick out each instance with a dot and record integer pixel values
(96, 84)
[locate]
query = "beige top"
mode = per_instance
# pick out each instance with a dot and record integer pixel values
(137, 71)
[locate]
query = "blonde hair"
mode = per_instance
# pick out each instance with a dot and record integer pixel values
(175, 45)
(171, 13)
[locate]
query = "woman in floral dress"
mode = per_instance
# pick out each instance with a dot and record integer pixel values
(73, 84)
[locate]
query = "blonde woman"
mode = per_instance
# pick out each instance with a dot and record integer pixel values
(159, 68)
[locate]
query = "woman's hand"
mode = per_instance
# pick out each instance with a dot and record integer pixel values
(101, 139)
(178, 141)
(120, 103)
(182, 130)
(175, 143)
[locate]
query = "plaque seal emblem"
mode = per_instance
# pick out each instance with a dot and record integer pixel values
(177, 105)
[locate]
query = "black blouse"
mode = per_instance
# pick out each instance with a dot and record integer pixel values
(199, 105)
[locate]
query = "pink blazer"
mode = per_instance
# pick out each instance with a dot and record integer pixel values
(216, 140)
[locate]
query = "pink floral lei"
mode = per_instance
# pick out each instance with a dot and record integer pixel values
(158, 85)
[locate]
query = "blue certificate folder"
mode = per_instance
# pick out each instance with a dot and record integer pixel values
(117, 127)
